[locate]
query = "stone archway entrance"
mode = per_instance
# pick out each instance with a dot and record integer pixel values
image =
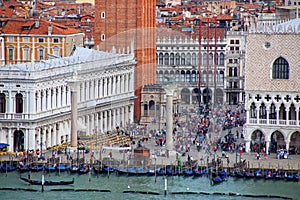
(277, 141)
(295, 143)
(258, 143)
(18, 140)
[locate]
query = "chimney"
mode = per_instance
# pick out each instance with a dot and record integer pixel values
(37, 24)
(49, 29)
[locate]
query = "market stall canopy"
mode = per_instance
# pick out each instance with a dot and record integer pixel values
(2, 145)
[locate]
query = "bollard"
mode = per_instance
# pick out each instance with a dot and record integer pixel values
(43, 181)
(166, 186)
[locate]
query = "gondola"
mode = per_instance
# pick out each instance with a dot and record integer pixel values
(187, 172)
(258, 174)
(73, 169)
(108, 169)
(140, 171)
(161, 172)
(121, 171)
(239, 174)
(131, 171)
(5, 167)
(197, 172)
(49, 183)
(248, 174)
(97, 169)
(36, 168)
(218, 179)
(151, 171)
(62, 167)
(23, 168)
(83, 169)
(50, 168)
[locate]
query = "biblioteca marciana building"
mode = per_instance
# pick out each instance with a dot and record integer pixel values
(35, 98)
(272, 86)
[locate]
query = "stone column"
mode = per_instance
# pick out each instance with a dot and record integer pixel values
(267, 146)
(54, 142)
(169, 117)
(10, 140)
(74, 88)
(32, 139)
(247, 142)
(287, 144)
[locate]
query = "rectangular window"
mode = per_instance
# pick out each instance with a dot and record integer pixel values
(41, 54)
(231, 41)
(41, 40)
(25, 39)
(55, 51)
(10, 39)
(26, 56)
(55, 40)
(237, 42)
(10, 54)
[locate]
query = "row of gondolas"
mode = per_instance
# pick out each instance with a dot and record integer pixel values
(216, 175)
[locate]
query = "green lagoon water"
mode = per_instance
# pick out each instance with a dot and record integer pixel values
(115, 187)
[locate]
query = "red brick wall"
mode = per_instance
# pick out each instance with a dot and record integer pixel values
(125, 20)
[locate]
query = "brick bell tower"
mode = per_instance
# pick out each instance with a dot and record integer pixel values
(118, 23)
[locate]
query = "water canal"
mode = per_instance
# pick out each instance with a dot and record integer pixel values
(116, 187)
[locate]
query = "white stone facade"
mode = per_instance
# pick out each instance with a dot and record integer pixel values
(272, 86)
(35, 99)
(178, 59)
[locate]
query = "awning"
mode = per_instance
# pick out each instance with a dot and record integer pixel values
(2, 145)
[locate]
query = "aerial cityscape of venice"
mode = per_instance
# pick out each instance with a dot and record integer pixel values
(150, 99)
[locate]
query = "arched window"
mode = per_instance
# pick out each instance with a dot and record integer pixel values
(221, 77)
(172, 59)
(182, 77)
(188, 59)
(177, 59)
(235, 72)
(272, 114)
(252, 111)
(2, 103)
(177, 76)
(194, 78)
(160, 59)
(222, 57)
(166, 59)
(188, 76)
(211, 59)
(280, 69)
(151, 105)
(204, 59)
(194, 60)
(182, 59)
(230, 71)
(19, 103)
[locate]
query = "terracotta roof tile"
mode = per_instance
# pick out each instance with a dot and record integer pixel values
(17, 27)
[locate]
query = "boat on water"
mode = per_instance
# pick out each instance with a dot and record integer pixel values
(218, 179)
(36, 167)
(50, 168)
(199, 172)
(73, 169)
(248, 174)
(23, 168)
(83, 169)
(63, 167)
(140, 171)
(5, 167)
(97, 169)
(107, 169)
(188, 172)
(49, 183)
